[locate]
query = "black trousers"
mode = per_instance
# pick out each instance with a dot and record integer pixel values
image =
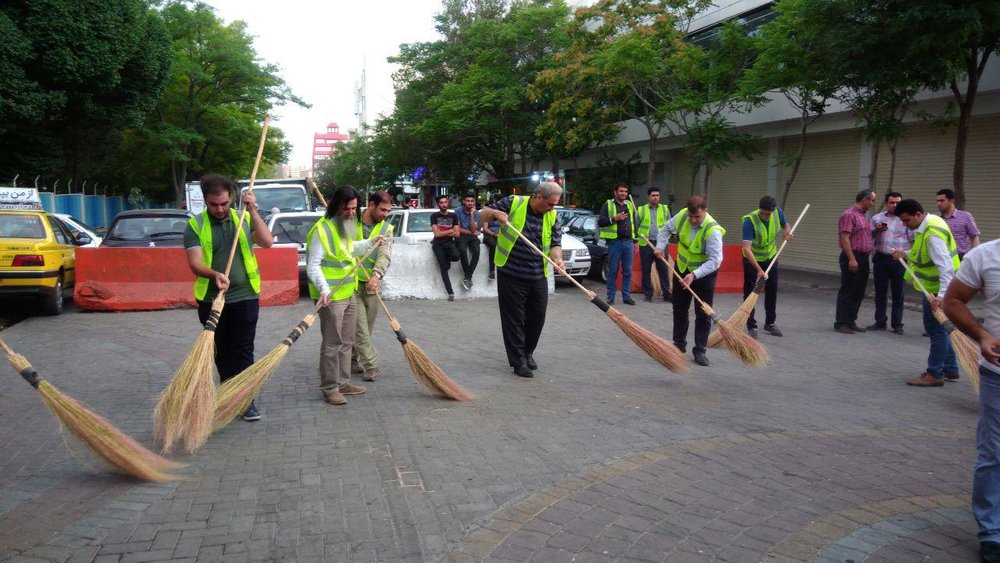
(522, 314)
(852, 288)
(888, 273)
(468, 248)
(705, 288)
(646, 259)
(234, 335)
(770, 290)
(491, 250)
(445, 265)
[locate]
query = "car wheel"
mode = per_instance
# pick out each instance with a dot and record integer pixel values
(53, 304)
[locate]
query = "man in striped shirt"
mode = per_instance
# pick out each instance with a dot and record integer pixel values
(522, 284)
(889, 234)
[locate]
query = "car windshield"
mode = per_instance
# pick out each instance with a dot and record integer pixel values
(292, 229)
(419, 223)
(17, 225)
(147, 228)
(284, 199)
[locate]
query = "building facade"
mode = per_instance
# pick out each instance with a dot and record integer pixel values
(325, 144)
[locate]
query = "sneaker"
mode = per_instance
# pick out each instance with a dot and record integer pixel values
(351, 389)
(335, 398)
(753, 333)
(772, 330)
(451, 297)
(251, 414)
(467, 284)
(875, 326)
(371, 374)
(492, 276)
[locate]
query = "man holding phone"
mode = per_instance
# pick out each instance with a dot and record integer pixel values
(980, 271)
(888, 233)
(618, 228)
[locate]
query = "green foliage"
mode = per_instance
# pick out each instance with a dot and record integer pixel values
(357, 163)
(596, 185)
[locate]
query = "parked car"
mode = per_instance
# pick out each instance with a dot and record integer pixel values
(565, 214)
(292, 229)
(78, 227)
(585, 228)
(37, 257)
(147, 227)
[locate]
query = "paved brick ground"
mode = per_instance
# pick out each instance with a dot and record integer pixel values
(603, 456)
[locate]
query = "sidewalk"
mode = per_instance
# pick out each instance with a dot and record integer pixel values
(604, 456)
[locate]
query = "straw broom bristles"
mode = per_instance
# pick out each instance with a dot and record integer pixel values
(657, 348)
(423, 367)
(739, 318)
(106, 441)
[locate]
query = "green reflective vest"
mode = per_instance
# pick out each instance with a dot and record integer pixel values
(202, 225)
(337, 261)
(691, 253)
(368, 264)
(611, 231)
(765, 237)
(920, 255)
(662, 214)
(516, 218)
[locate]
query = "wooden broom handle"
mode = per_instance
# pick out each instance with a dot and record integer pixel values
(384, 308)
(253, 178)
(315, 189)
(938, 313)
(704, 305)
(520, 235)
(784, 242)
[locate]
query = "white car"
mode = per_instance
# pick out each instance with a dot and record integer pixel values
(413, 226)
(292, 229)
(78, 227)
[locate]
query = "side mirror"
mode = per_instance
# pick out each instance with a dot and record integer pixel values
(82, 240)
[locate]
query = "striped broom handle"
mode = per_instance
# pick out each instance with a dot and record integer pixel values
(706, 306)
(253, 178)
(350, 273)
(784, 242)
(520, 235)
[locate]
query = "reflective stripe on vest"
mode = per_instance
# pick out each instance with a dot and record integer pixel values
(919, 256)
(645, 222)
(202, 225)
(368, 264)
(336, 264)
(517, 217)
(611, 231)
(691, 253)
(764, 244)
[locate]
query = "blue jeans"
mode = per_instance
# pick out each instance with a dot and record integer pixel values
(941, 359)
(986, 477)
(620, 253)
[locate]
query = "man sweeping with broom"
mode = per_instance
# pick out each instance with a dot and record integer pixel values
(522, 285)
(760, 245)
(699, 257)
(207, 240)
(933, 260)
(373, 268)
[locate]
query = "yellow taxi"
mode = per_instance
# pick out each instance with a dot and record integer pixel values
(37, 257)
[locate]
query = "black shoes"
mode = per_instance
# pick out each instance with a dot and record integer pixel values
(898, 330)
(855, 327)
(989, 551)
(701, 359)
(530, 361)
(753, 333)
(772, 330)
(647, 299)
(251, 414)
(875, 326)
(628, 301)
(523, 371)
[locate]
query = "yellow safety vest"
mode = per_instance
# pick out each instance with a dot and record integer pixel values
(611, 231)
(920, 255)
(691, 253)
(337, 261)
(368, 264)
(516, 218)
(764, 244)
(662, 214)
(202, 225)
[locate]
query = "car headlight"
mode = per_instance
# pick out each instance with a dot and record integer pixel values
(583, 252)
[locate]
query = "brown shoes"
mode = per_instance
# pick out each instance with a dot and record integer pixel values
(843, 329)
(371, 374)
(350, 389)
(925, 380)
(335, 398)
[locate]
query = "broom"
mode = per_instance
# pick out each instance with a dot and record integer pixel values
(748, 350)
(739, 318)
(657, 348)
(966, 349)
(186, 407)
(108, 443)
(423, 367)
(236, 393)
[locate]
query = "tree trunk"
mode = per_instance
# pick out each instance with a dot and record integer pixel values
(705, 180)
(651, 169)
(874, 168)
(892, 164)
(798, 161)
(965, 103)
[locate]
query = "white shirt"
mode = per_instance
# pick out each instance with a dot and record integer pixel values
(316, 254)
(713, 245)
(981, 270)
(939, 254)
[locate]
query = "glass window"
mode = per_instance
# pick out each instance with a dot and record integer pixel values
(419, 223)
(395, 219)
(16, 225)
(63, 235)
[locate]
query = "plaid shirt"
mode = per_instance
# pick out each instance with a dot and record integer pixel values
(896, 236)
(963, 227)
(854, 222)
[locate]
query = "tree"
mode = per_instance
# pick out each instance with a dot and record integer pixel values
(73, 75)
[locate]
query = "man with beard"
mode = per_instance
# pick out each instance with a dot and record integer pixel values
(444, 224)
(370, 274)
(207, 241)
(330, 265)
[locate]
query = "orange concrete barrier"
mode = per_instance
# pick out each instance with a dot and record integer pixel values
(730, 275)
(142, 279)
